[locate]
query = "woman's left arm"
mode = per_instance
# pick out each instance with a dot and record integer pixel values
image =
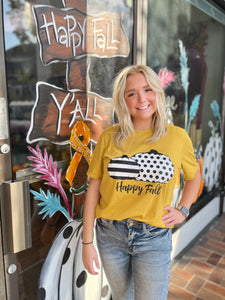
(190, 191)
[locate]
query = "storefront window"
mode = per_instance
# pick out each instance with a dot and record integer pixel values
(191, 45)
(61, 57)
(34, 69)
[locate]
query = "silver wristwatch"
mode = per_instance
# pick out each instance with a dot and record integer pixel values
(184, 210)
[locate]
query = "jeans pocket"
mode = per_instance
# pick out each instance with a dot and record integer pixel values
(104, 223)
(153, 231)
(163, 236)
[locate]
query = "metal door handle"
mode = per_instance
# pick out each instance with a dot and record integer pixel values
(16, 216)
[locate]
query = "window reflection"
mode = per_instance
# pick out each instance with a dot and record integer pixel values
(203, 41)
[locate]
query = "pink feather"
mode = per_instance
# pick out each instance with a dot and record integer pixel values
(166, 77)
(49, 172)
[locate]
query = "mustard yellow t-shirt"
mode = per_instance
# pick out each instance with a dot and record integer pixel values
(138, 182)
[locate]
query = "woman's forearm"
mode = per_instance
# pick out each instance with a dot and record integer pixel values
(191, 187)
(91, 201)
(190, 190)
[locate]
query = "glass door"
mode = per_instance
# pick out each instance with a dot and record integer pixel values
(58, 60)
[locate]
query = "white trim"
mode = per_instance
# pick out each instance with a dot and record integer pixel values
(141, 32)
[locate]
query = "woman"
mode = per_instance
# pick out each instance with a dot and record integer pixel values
(132, 178)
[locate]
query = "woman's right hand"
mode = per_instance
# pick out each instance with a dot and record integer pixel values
(90, 258)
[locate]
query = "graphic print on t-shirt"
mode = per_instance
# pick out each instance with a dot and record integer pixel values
(150, 166)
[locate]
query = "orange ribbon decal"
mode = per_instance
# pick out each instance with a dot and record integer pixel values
(79, 139)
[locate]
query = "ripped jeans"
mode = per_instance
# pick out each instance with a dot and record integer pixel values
(135, 258)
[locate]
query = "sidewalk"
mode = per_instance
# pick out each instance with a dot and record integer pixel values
(200, 273)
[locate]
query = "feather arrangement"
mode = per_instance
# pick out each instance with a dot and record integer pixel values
(49, 172)
(166, 77)
(193, 110)
(50, 203)
(184, 70)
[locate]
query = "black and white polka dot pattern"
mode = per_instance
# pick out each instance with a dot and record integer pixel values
(212, 162)
(154, 167)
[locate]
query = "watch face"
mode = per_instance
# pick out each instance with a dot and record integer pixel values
(185, 211)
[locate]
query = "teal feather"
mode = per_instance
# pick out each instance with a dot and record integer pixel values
(194, 107)
(50, 203)
(215, 108)
(193, 110)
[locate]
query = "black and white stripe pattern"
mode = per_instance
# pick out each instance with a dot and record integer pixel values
(123, 168)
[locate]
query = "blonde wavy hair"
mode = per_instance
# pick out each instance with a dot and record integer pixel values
(125, 127)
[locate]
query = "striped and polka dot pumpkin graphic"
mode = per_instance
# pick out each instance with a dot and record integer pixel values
(149, 166)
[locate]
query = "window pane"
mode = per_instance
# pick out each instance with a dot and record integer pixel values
(191, 44)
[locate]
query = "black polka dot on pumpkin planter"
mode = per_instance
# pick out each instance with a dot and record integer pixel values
(81, 279)
(41, 294)
(67, 232)
(66, 255)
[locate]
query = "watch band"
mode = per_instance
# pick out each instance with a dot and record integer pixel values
(183, 210)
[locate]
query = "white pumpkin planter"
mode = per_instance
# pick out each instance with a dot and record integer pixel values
(63, 276)
(212, 162)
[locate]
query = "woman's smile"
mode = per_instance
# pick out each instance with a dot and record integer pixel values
(143, 107)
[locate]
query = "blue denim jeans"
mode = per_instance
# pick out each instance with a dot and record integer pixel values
(135, 258)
